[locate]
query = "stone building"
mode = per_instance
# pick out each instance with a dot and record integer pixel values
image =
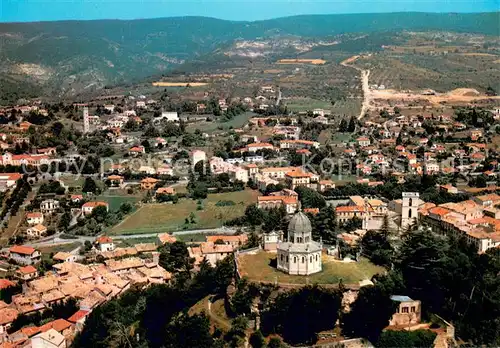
(300, 255)
(408, 311)
(409, 208)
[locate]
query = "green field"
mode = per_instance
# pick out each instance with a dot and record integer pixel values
(257, 268)
(53, 249)
(115, 201)
(306, 104)
(156, 218)
(347, 107)
(186, 238)
(72, 181)
(123, 243)
(237, 122)
(191, 237)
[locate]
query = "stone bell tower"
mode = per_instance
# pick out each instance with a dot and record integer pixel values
(409, 208)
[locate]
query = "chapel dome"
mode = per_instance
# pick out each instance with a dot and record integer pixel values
(299, 226)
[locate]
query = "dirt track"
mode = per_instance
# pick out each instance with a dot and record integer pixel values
(365, 74)
(467, 95)
(459, 95)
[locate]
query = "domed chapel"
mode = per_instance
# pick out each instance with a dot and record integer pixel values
(299, 255)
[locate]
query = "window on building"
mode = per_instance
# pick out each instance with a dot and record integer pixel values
(316, 257)
(294, 259)
(412, 309)
(303, 259)
(404, 310)
(281, 257)
(287, 259)
(409, 213)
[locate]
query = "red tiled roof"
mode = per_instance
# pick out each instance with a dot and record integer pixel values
(349, 208)
(5, 283)
(78, 315)
(284, 199)
(260, 145)
(165, 190)
(239, 238)
(27, 269)
(313, 211)
(104, 239)
(8, 315)
(149, 180)
(34, 215)
(59, 325)
(95, 204)
(22, 249)
(298, 174)
(439, 211)
(30, 331)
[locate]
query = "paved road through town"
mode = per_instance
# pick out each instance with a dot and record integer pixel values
(56, 239)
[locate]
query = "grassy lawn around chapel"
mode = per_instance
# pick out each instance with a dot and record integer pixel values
(257, 267)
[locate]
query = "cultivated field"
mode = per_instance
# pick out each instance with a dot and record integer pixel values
(155, 218)
(305, 104)
(302, 61)
(459, 95)
(258, 268)
(179, 84)
(440, 72)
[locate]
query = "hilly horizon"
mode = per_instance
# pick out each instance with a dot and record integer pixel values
(252, 21)
(62, 58)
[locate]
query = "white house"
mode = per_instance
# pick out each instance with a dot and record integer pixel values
(34, 218)
(24, 255)
(64, 257)
(8, 180)
(319, 112)
(168, 116)
(7, 316)
(88, 207)
(49, 206)
(105, 243)
(48, 339)
(36, 231)
(197, 155)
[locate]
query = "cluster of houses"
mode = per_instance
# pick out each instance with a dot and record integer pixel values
(35, 221)
(108, 272)
(216, 248)
(478, 219)
(91, 284)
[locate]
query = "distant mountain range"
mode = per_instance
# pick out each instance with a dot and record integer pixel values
(65, 57)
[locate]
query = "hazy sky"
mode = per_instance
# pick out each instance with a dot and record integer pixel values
(38, 10)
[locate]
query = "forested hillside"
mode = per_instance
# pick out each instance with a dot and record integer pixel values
(66, 57)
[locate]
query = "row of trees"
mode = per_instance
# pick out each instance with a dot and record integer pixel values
(391, 189)
(16, 198)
